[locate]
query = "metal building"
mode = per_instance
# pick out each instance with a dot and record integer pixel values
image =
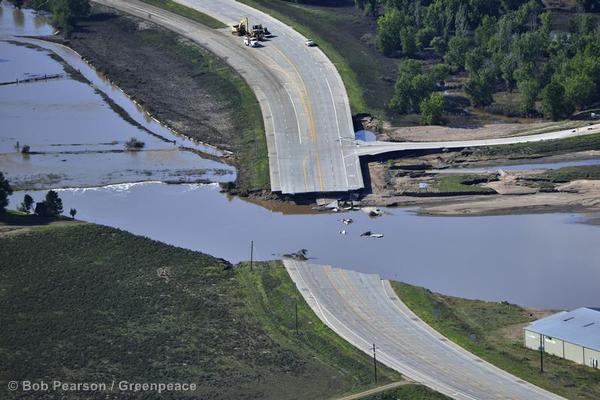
(574, 335)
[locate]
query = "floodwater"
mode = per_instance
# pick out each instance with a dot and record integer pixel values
(75, 137)
(543, 260)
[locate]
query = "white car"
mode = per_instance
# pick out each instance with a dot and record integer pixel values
(310, 43)
(250, 42)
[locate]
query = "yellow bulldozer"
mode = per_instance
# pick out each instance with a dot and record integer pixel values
(242, 28)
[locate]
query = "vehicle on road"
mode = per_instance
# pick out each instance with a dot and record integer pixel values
(250, 42)
(310, 43)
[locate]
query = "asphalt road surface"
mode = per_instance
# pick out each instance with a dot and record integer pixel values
(375, 148)
(305, 107)
(364, 310)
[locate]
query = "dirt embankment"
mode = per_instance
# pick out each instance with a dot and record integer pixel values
(146, 62)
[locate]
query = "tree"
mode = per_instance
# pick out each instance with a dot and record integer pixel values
(5, 191)
(589, 5)
(66, 12)
(51, 207)
(528, 92)
(26, 204)
(457, 48)
(480, 87)
(432, 109)
(439, 45)
(409, 44)
(388, 28)
(72, 213)
(412, 86)
(554, 102)
(580, 89)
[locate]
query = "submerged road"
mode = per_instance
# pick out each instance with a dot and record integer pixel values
(375, 148)
(363, 309)
(305, 107)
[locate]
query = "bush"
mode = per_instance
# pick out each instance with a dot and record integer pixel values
(134, 144)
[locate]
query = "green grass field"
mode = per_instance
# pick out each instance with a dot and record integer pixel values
(540, 149)
(80, 302)
(187, 12)
(457, 184)
(492, 331)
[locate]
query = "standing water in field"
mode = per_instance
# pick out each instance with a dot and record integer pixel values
(70, 124)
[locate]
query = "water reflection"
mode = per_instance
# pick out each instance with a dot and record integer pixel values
(18, 18)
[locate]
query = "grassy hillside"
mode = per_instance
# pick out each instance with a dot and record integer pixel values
(493, 332)
(85, 303)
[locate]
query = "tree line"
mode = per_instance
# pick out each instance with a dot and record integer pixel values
(51, 206)
(499, 45)
(65, 13)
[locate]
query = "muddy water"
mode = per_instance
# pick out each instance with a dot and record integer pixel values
(545, 260)
(75, 136)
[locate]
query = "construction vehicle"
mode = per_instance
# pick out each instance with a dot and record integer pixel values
(242, 28)
(257, 32)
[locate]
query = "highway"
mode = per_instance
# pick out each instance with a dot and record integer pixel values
(305, 107)
(364, 310)
(377, 147)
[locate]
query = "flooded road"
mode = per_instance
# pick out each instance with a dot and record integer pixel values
(543, 260)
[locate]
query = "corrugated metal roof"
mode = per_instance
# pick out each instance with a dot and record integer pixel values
(580, 326)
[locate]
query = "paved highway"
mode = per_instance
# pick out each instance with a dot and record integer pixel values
(375, 148)
(364, 310)
(302, 97)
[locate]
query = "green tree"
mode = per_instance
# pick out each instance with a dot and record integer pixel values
(480, 87)
(432, 109)
(412, 86)
(26, 204)
(528, 92)
(5, 191)
(388, 28)
(589, 5)
(409, 44)
(457, 48)
(73, 213)
(439, 45)
(65, 13)
(555, 104)
(51, 207)
(580, 89)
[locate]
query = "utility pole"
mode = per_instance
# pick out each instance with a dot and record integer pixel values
(296, 318)
(541, 353)
(251, 254)
(375, 362)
